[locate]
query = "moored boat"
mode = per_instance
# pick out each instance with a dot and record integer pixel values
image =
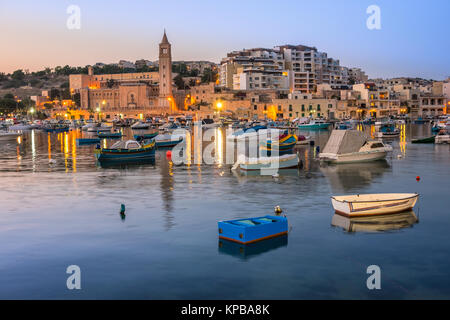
(267, 164)
(110, 135)
(424, 140)
(87, 141)
(387, 130)
(140, 125)
(252, 230)
(285, 144)
(147, 136)
(316, 124)
(373, 204)
(352, 146)
(126, 151)
(167, 140)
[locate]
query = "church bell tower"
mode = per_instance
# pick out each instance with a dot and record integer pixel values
(166, 99)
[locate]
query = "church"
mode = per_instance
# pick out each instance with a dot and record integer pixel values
(129, 95)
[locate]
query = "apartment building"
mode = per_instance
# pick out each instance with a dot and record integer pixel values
(356, 75)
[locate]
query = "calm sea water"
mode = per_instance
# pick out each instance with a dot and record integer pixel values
(59, 208)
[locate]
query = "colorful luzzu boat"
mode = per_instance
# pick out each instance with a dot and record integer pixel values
(87, 141)
(283, 146)
(126, 151)
(373, 204)
(252, 230)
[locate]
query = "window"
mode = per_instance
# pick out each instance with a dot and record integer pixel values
(265, 107)
(290, 115)
(310, 107)
(330, 106)
(279, 108)
(303, 115)
(290, 107)
(255, 107)
(303, 108)
(318, 107)
(318, 114)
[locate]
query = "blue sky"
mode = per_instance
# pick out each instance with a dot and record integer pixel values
(413, 40)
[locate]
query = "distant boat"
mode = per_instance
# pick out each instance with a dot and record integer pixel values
(383, 223)
(442, 138)
(301, 140)
(21, 126)
(103, 128)
(110, 135)
(87, 141)
(387, 130)
(352, 146)
(147, 136)
(126, 151)
(56, 128)
(251, 230)
(251, 132)
(167, 140)
(140, 125)
(419, 121)
(424, 140)
(316, 124)
(373, 204)
(267, 164)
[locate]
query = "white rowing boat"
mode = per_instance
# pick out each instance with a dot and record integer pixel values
(373, 204)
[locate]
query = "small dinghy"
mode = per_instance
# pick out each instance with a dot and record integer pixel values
(252, 230)
(373, 204)
(284, 145)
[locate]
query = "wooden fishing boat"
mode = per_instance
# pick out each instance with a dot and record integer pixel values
(285, 145)
(373, 204)
(167, 140)
(87, 141)
(126, 151)
(110, 135)
(248, 251)
(252, 230)
(387, 130)
(383, 223)
(268, 163)
(442, 138)
(424, 140)
(140, 125)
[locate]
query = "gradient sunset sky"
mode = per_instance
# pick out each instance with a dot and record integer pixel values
(413, 40)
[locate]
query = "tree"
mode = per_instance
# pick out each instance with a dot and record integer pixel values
(179, 82)
(209, 75)
(18, 75)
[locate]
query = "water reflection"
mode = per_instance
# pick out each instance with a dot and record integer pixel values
(249, 251)
(346, 177)
(167, 189)
(377, 223)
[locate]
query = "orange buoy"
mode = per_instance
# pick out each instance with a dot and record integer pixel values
(417, 178)
(169, 154)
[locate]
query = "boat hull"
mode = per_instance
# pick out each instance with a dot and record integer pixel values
(270, 164)
(354, 157)
(370, 205)
(266, 227)
(125, 154)
(321, 126)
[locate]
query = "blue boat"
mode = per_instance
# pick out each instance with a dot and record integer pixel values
(435, 129)
(315, 125)
(252, 230)
(126, 151)
(87, 141)
(56, 129)
(285, 145)
(419, 121)
(110, 135)
(147, 136)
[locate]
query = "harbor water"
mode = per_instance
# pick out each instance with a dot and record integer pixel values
(60, 208)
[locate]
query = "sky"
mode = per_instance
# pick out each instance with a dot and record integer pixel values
(413, 41)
